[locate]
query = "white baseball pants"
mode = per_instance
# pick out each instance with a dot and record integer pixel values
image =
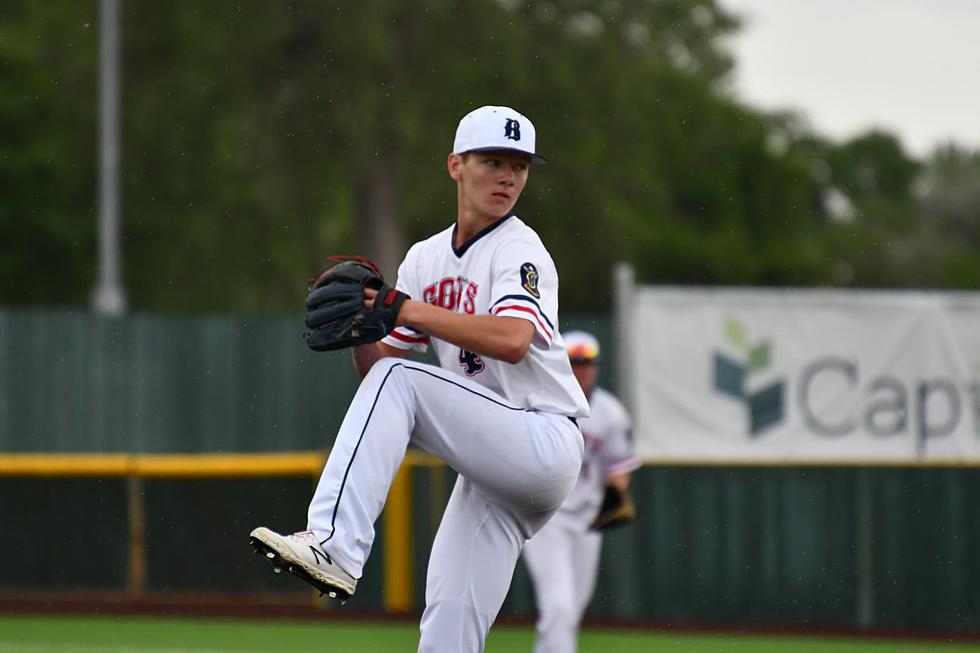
(516, 467)
(563, 560)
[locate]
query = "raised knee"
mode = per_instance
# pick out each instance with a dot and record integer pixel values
(382, 367)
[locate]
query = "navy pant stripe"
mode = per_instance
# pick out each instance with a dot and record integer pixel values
(367, 423)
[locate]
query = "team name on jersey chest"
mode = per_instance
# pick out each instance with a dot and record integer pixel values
(452, 293)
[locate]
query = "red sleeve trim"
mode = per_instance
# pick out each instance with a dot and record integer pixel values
(531, 311)
(412, 340)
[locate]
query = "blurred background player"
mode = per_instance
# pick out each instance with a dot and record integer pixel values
(563, 557)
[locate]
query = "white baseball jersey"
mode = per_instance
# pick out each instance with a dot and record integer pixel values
(563, 557)
(504, 270)
(608, 451)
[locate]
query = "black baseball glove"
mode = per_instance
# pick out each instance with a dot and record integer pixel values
(617, 510)
(335, 314)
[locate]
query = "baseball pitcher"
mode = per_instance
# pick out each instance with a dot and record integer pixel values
(500, 409)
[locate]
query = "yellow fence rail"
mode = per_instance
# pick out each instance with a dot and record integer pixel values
(397, 553)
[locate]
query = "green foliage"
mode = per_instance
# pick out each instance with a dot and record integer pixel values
(949, 201)
(259, 138)
(47, 158)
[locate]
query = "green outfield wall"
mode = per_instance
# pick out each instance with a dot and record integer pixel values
(73, 382)
(893, 548)
(817, 548)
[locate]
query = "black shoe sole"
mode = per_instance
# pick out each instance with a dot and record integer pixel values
(278, 564)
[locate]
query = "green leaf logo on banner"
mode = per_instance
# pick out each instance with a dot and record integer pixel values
(766, 405)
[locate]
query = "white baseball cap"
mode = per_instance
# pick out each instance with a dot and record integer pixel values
(490, 129)
(582, 347)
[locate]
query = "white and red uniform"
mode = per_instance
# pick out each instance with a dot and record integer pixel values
(504, 270)
(505, 428)
(563, 557)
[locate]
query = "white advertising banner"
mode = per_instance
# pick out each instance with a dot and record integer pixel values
(805, 375)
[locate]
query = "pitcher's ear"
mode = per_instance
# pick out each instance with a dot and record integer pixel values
(455, 164)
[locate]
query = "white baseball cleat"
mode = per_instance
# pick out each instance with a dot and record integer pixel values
(301, 555)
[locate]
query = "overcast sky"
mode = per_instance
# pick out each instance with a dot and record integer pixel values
(909, 66)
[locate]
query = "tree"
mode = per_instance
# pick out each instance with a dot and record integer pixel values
(949, 200)
(346, 114)
(47, 108)
(260, 138)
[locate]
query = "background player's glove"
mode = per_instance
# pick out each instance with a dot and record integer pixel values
(617, 509)
(335, 314)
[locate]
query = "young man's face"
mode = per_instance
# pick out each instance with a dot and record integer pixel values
(489, 182)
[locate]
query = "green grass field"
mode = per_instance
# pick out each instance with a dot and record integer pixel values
(160, 635)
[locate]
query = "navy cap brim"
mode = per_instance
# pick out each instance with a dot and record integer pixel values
(535, 158)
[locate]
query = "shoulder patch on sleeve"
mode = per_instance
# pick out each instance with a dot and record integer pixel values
(529, 279)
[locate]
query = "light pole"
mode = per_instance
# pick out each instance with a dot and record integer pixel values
(109, 297)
